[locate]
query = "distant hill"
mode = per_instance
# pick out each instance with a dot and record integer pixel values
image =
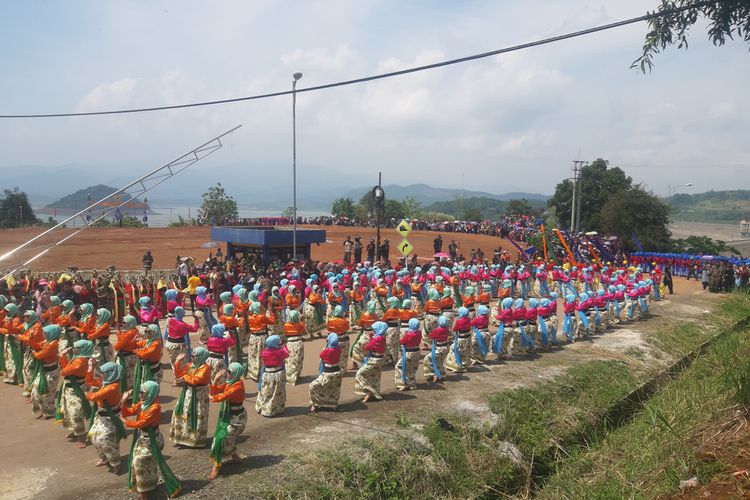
(489, 208)
(428, 195)
(711, 206)
(80, 199)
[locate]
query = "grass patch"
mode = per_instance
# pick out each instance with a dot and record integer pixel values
(653, 452)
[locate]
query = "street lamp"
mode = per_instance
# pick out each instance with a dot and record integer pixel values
(671, 189)
(378, 194)
(296, 76)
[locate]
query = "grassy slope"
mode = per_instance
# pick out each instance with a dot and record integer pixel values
(562, 429)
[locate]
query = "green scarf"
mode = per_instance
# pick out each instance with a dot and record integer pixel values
(17, 356)
(39, 372)
(236, 371)
(2, 353)
(192, 411)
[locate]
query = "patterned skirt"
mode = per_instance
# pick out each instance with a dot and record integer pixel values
(234, 430)
(427, 365)
(218, 370)
(464, 351)
(28, 371)
(357, 349)
(311, 319)
(392, 345)
(254, 348)
(145, 470)
(367, 380)
(74, 418)
(103, 436)
(180, 433)
(11, 373)
(45, 403)
(325, 390)
(271, 398)
(412, 364)
(295, 359)
(175, 350)
(129, 368)
(344, 359)
(103, 353)
(476, 352)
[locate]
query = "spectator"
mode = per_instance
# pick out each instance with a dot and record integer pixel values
(371, 251)
(347, 251)
(437, 244)
(148, 261)
(357, 250)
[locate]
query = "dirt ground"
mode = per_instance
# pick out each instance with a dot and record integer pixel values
(123, 247)
(42, 464)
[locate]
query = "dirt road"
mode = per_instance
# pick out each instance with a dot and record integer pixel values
(38, 462)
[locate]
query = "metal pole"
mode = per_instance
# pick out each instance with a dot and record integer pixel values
(294, 168)
(573, 201)
(377, 207)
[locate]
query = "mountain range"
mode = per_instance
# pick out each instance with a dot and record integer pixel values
(264, 187)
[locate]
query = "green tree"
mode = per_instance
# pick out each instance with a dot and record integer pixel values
(181, 222)
(639, 211)
(15, 210)
(523, 207)
(343, 207)
(598, 184)
(394, 209)
(288, 212)
(725, 19)
(412, 208)
(703, 245)
(217, 207)
(472, 214)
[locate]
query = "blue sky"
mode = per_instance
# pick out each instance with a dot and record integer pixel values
(506, 123)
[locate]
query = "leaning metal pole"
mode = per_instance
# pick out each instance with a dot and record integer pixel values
(46, 241)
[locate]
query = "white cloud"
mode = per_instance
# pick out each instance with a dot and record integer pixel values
(108, 95)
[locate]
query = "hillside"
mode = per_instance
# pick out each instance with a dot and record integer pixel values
(489, 208)
(80, 198)
(427, 195)
(711, 206)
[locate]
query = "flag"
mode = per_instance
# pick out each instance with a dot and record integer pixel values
(637, 241)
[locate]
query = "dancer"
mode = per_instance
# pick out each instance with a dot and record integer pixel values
(232, 326)
(258, 331)
(145, 460)
(357, 349)
(405, 373)
(339, 325)
(294, 328)
(148, 357)
(271, 398)
(31, 336)
(72, 406)
(392, 318)
(107, 429)
(46, 373)
(12, 327)
(125, 347)
(504, 341)
(480, 340)
(434, 363)
(458, 357)
(367, 380)
(325, 390)
(178, 337)
(219, 344)
(190, 416)
(232, 418)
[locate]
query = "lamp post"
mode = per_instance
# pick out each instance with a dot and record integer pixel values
(378, 194)
(296, 76)
(671, 189)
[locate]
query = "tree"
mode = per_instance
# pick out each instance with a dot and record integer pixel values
(288, 213)
(343, 207)
(412, 208)
(522, 207)
(15, 210)
(472, 214)
(598, 184)
(640, 212)
(726, 19)
(217, 207)
(394, 209)
(703, 245)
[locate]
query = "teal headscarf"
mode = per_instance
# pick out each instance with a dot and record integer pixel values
(338, 311)
(112, 372)
(149, 393)
(236, 370)
(54, 300)
(130, 322)
(225, 297)
(372, 306)
(86, 311)
(12, 310)
(255, 308)
(84, 348)
(67, 306)
(294, 316)
(52, 332)
(153, 333)
(433, 295)
(393, 302)
(102, 316)
(3, 300)
(200, 355)
(228, 310)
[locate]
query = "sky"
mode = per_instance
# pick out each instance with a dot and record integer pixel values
(506, 123)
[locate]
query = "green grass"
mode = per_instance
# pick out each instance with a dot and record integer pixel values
(576, 437)
(650, 455)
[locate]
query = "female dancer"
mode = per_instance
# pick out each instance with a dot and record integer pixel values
(125, 347)
(325, 390)
(405, 373)
(219, 344)
(73, 408)
(340, 326)
(107, 430)
(190, 417)
(434, 363)
(46, 373)
(367, 380)
(232, 418)
(148, 353)
(459, 355)
(271, 398)
(293, 330)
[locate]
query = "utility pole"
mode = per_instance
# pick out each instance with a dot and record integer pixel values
(575, 206)
(573, 201)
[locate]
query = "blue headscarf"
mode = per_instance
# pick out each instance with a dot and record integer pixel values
(379, 328)
(332, 340)
(217, 330)
(179, 313)
(171, 294)
(273, 342)
(443, 321)
(201, 291)
(482, 311)
(462, 312)
(414, 324)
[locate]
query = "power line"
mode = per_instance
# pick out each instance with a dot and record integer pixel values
(414, 69)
